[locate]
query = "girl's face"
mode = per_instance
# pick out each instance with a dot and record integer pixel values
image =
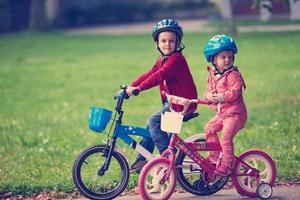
(167, 42)
(223, 60)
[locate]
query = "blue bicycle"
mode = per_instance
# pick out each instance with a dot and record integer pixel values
(101, 171)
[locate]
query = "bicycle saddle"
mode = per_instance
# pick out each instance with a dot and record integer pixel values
(190, 116)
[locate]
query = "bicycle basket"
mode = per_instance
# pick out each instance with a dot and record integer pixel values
(171, 122)
(99, 118)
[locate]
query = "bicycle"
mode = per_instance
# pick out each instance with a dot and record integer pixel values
(253, 174)
(101, 171)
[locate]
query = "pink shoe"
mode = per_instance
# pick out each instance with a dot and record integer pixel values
(223, 170)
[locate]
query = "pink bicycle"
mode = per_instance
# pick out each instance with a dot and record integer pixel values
(253, 175)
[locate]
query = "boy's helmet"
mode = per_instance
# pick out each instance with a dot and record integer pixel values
(217, 44)
(166, 25)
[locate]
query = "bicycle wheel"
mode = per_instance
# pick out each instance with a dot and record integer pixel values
(194, 179)
(150, 180)
(247, 184)
(93, 186)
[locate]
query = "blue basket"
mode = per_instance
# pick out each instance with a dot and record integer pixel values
(99, 118)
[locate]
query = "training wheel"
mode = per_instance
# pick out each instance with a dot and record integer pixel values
(264, 190)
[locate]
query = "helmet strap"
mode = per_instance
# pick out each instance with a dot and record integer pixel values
(221, 72)
(157, 47)
(180, 47)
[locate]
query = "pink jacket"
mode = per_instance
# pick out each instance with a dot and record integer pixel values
(229, 86)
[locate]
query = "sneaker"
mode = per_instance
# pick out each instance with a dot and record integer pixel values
(137, 166)
(224, 170)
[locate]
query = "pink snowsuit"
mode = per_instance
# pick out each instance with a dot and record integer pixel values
(231, 111)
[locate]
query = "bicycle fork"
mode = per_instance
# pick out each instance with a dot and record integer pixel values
(108, 155)
(249, 170)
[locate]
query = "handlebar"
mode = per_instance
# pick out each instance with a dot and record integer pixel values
(172, 99)
(122, 94)
(135, 92)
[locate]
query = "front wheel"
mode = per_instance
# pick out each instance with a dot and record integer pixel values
(152, 184)
(86, 173)
(252, 168)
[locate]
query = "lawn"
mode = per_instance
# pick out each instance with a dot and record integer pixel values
(49, 81)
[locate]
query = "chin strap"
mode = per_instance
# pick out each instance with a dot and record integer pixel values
(221, 72)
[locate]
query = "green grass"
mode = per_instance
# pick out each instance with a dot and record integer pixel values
(49, 81)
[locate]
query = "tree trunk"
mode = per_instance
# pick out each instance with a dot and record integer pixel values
(226, 10)
(37, 19)
(52, 10)
(232, 26)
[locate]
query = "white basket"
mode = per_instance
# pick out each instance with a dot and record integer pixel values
(171, 122)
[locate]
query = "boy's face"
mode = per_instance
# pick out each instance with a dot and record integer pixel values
(167, 42)
(223, 60)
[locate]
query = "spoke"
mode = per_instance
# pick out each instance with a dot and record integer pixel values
(249, 182)
(265, 172)
(149, 182)
(153, 190)
(254, 163)
(162, 190)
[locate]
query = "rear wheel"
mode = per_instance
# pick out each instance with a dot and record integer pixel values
(247, 180)
(86, 173)
(194, 179)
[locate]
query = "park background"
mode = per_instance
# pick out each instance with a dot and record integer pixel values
(57, 60)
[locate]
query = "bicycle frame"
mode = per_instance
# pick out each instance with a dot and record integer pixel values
(125, 131)
(190, 149)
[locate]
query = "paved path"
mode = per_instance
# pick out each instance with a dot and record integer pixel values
(279, 193)
(188, 26)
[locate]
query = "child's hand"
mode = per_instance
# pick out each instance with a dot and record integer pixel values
(212, 97)
(130, 89)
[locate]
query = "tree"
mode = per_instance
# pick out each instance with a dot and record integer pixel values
(37, 18)
(226, 11)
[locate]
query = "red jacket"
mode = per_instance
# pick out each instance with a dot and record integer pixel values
(173, 76)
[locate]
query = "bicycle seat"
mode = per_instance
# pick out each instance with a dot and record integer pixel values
(190, 116)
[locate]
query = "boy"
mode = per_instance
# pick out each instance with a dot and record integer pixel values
(171, 73)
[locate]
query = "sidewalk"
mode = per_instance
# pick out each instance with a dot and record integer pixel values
(279, 193)
(196, 26)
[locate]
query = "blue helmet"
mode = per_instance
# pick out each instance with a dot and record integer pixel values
(166, 25)
(217, 44)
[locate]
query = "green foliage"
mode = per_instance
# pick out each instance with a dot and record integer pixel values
(48, 82)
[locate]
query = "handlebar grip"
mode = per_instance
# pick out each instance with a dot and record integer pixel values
(136, 92)
(204, 101)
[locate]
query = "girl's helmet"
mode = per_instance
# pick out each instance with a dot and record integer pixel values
(217, 44)
(166, 25)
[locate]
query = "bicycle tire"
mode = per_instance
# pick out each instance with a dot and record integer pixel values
(260, 160)
(149, 183)
(196, 185)
(90, 184)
